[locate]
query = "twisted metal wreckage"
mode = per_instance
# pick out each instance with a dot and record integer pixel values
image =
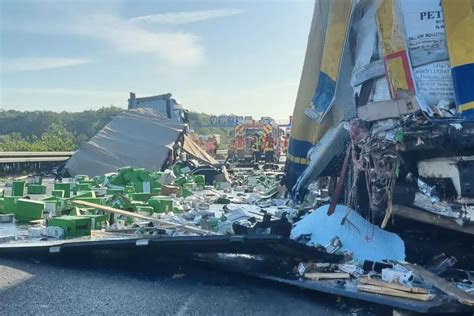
(381, 150)
(394, 88)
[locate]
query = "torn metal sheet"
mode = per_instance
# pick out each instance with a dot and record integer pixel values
(338, 22)
(364, 240)
(323, 153)
(304, 131)
(178, 245)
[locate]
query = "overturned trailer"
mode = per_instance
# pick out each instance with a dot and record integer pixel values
(390, 111)
(137, 137)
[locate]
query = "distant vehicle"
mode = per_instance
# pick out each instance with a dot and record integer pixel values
(241, 137)
(163, 103)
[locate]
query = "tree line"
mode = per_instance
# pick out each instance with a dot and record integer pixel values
(51, 131)
(65, 131)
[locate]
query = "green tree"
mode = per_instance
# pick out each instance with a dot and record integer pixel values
(14, 142)
(57, 138)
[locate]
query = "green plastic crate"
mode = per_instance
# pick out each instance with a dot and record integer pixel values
(161, 204)
(114, 191)
(96, 220)
(129, 189)
(186, 192)
(58, 193)
(74, 226)
(140, 196)
(142, 186)
(9, 204)
(53, 203)
(83, 186)
(148, 210)
(36, 189)
(200, 180)
(66, 187)
(29, 210)
(18, 188)
(91, 200)
(85, 194)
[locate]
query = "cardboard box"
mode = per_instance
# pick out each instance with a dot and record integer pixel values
(170, 189)
(387, 109)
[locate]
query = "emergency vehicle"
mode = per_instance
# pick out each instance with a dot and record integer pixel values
(243, 135)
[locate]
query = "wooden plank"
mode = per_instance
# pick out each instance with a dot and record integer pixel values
(411, 289)
(113, 210)
(445, 286)
(397, 293)
(431, 218)
(326, 276)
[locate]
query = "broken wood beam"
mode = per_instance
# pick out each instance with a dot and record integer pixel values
(326, 276)
(393, 292)
(337, 192)
(443, 285)
(394, 286)
(113, 210)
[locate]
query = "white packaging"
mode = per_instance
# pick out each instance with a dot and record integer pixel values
(35, 232)
(351, 269)
(53, 231)
(397, 275)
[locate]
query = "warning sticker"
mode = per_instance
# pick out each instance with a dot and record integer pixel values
(424, 29)
(434, 82)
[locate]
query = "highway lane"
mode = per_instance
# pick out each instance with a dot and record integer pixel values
(41, 288)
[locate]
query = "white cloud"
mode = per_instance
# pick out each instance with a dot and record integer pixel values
(182, 49)
(177, 18)
(39, 63)
(105, 25)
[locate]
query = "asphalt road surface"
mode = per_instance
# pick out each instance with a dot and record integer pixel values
(29, 287)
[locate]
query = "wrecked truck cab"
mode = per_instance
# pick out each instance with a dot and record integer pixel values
(392, 99)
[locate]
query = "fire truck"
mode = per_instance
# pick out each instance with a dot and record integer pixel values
(243, 135)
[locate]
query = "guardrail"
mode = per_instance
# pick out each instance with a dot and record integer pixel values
(34, 156)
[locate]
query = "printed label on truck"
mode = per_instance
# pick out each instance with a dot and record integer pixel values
(424, 29)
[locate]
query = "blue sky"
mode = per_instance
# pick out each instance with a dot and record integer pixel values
(215, 56)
